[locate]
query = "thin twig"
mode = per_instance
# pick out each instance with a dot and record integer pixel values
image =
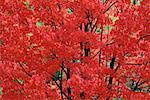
(109, 7)
(110, 43)
(133, 64)
(101, 37)
(25, 70)
(61, 88)
(142, 37)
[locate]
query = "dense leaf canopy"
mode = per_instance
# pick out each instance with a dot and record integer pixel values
(74, 49)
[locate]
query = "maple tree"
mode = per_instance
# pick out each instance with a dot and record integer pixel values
(74, 49)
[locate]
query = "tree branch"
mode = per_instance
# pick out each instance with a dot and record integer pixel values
(25, 70)
(142, 37)
(109, 7)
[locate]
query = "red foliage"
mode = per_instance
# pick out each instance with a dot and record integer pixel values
(65, 49)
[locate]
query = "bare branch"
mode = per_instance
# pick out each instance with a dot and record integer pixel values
(25, 70)
(109, 7)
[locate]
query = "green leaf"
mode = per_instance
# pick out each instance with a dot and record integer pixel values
(103, 1)
(32, 45)
(75, 61)
(32, 8)
(136, 2)
(69, 10)
(39, 24)
(19, 81)
(118, 99)
(29, 34)
(27, 3)
(58, 75)
(114, 19)
(1, 90)
(98, 30)
(107, 29)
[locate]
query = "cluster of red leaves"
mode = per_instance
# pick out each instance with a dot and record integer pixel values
(40, 38)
